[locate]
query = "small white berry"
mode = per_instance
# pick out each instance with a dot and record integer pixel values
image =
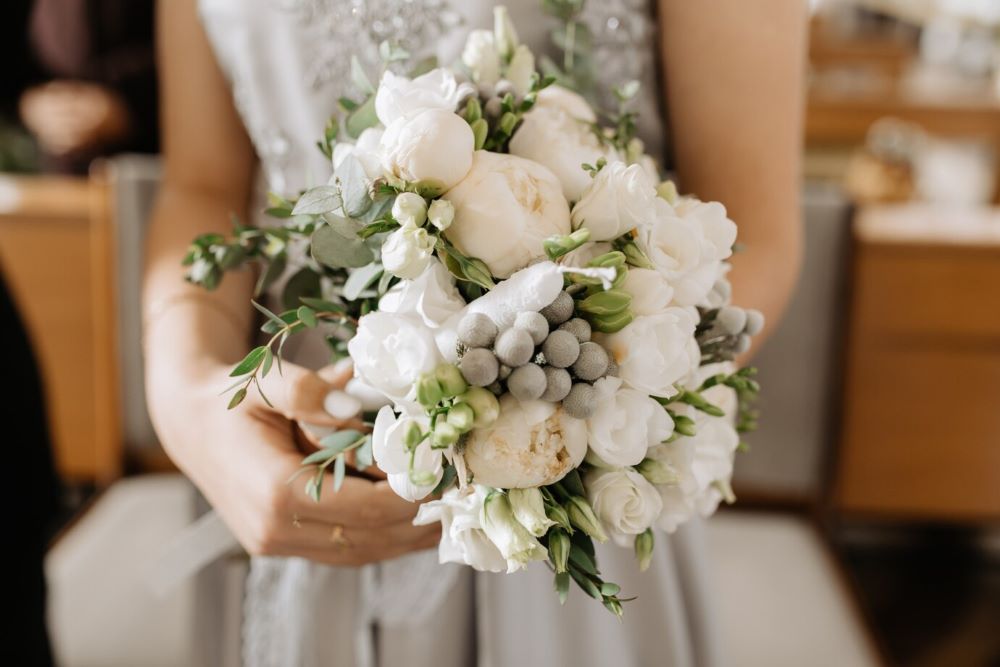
(479, 367)
(535, 324)
(581, 402)
(527, 383)
(514, 347)
(559, 310)
(579, 327)
(557, 384)
(592, 362)
(477, 330)
(561, 349)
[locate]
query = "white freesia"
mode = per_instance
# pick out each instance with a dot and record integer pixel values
(463, 539)
(441, 213)
(718, 231)
(627, 422)
(389, 452)
(529, 510)
(624, 501)
(432, 296)
(407, 251)
(409, 209)
(651, 292)
(398, 96)
(521, 69)
(516, 544)
(618, 199)
(365, 149)
(531, 444)
(655, 351)
(480, 55)
(504, 32)
(504, 209)
(557, 133)
(432, 147)
(391, 351)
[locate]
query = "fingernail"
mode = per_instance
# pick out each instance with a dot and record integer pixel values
(341, 404)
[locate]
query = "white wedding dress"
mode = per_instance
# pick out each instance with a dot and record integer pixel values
(288, 62)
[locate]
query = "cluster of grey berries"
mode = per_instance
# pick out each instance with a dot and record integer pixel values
(728, 332)
(545, 355)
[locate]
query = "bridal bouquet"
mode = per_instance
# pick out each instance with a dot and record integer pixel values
(545, 323)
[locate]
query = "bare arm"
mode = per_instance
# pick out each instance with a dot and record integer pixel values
(734, 74)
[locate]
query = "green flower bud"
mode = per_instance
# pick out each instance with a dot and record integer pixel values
(559, 546)
(557, 246)
(614, 259)
(429, 392)
(559, 514)
(611, 302)
(461, 417)
(656, 472)
(581, 515)
(483, 403)
(450, 379)
(635, 256)
(644, 549)
(413, 436)
(667, 190)
(444, 435)
(422, 477)
(612, 323)
(684, 425)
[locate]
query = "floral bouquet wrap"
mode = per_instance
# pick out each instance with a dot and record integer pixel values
(538, 324)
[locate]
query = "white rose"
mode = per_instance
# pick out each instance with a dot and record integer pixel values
(391, 351)
(504, 209)
(398, 97)
(365, 149)
(627, 423)
(389, 452)
(650, 291)
(407, 251)
(463, 539)
(480, 55)
(409, 209)
(441, 214)
(432, 296)
(433, 147)
(655, 351)
(675, 248)
(624, 501)
(557, 133)
(617, 200)
(529, 510)
(516, 544)
(531, 444)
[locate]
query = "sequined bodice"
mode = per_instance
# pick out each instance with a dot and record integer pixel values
(289, 60)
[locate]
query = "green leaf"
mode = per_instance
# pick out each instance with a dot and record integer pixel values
(582, 560)
(307, 316)
(378, 227)
(237, 398)
(361, 118)
(363, 457)
(353, 182)
(314, 486)
(359, 78)
(321, 199)
(586, 584)
(562, 586)
(268, 313)
(304, 283)
(336, 251)
(322, 305)
(574, 484)
(338, 441)
(265, 367)
(275, 268)
(339, 471)
(319, 456)
(391, 52)
(360, 279)
(250, 362)
(447, 479)
(608, 588)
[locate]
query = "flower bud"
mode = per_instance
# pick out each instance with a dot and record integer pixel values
(656, 472)
(483, 403)
(558, 514)
(667, 191)
(504, 34)
(557, 246)
(413, 436)
(461, 417)
(407, 251)
(441, 214)
(445, 435)
(529, 510)
(451, 380)
(429, 392)
(581, 515)
(515, 543)
(409, 209)
(611, 302)
(559, 546)
(636, 257)
(644, 549)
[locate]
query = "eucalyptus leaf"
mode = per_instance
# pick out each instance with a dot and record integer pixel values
(361, 118)
(268, 313)
(275, 268)
(359, 78)
(321, 199)
(322, 305)
(353, 183)
(339, 472)
(307, 316)
(237, 398)
(265, 367)
(319, 456)
(363, 457)
(338, 252)
(250, 362)
(304, 282)
(360, 280)
(338, 441)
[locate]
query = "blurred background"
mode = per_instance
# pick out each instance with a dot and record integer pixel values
(868, 526)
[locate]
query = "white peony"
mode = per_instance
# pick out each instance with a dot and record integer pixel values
(480, 55)
(624, 502)
(391, 351)
(365, 149)
(655, 351)
(389, 452)
(432, 147)
(617, 200)
(651, 292)
(531, 444)
(516, 544)
(399, 97)
(504, 209)
(407, 251)
(557, 133)
(463, 539)
(432, 296)
(627, 423)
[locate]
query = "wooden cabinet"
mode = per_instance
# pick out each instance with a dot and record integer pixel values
(921, 431)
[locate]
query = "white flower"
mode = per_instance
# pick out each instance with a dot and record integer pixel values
(441, 214)
(655, 351)
(391, 351)
(529, 510)
(617, 200)
(624, 501)
(504, 32)
(521, 69)
(407, 251)
(557, 133)
(516, 544)
(389, 452)
(432, 147)
(650, 291)
(504, 209)
(627, 423)
(398, 97)
(365, 149)
(432, 296)
(649, 166)
(409, 209)
(582, 255)
(718, 231)
(480, 55)
(531, 444)
(463, 539)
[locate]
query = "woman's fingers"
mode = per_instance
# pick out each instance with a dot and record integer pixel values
(303, 395)
(348, 555)
(312, 534)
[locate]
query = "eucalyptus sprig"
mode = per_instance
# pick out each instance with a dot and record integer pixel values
(333, 451)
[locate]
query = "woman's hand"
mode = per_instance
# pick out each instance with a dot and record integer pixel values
(242, 460)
